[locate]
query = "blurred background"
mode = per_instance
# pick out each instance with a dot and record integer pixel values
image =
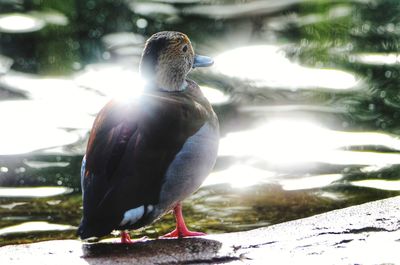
(307, 92)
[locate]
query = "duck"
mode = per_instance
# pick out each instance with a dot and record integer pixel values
(146, 155)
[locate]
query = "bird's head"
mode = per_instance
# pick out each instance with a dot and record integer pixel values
(167, 58)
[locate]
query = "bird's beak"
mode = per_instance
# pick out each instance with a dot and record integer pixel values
(202, 61)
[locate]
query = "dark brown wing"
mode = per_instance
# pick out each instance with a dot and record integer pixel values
(114, 127)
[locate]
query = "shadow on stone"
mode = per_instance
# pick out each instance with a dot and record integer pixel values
(162, 251)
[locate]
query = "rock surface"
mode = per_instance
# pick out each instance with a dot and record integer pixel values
(364, 234)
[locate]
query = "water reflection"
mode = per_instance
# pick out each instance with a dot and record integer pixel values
(20, 23)
(52, 17)
(45, 164)
(52, 90)
(45, 120)
(378, 58)
(36, 192)
(214, 96)
(16, 140)
(112, 81)
(10, 206)
(34, 227)
(378, 184)
(312, 182)
(240, 176)
(125, 44)
(5, 64)
(295, 142)
(267, 66)
(246, 9)
(331, 14)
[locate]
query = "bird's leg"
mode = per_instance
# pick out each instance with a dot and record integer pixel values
(181, 229)
(125, 238)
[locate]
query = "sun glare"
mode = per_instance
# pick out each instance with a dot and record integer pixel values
(215, 96)
(310, 182)
(112, 81)
(234, 176)
(378, 58)
(37, 192)
(19, 23)
(34, 227)
(380, 184)
(267, 66)
(294, 142)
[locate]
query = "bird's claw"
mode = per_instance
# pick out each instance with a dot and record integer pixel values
(179, 234)
(126, 239)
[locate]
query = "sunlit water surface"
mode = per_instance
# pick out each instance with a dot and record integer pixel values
(306, 93)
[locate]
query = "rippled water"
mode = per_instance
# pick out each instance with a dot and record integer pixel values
(306, 92)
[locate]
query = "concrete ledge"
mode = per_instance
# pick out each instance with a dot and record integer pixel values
(363, 234)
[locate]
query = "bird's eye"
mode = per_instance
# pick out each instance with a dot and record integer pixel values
(184, 49)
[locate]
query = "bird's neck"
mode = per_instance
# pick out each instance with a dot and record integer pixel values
(170, 80)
